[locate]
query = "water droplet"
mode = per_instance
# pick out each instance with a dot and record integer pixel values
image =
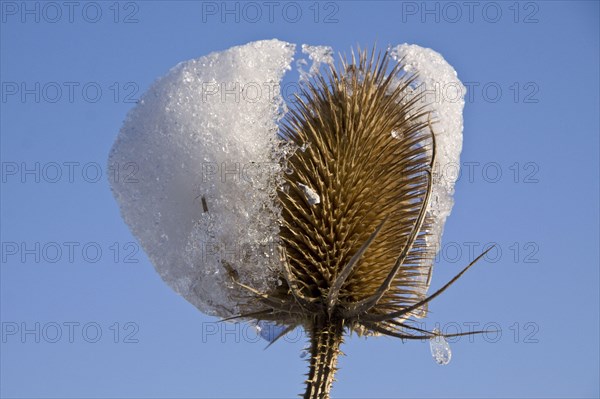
(304, 353)
(440, 348)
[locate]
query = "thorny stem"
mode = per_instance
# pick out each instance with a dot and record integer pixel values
(326, 336)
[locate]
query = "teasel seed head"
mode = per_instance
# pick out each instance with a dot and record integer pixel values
(354, 213)
(358, 218)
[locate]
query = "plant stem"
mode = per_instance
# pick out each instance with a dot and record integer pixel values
(326, 336)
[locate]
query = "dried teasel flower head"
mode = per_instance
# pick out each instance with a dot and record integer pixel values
(347, 216)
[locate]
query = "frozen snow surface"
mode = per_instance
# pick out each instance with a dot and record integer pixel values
(318, 55)
(311, 195)
(204, 144)
(205, 135)
(445, 96)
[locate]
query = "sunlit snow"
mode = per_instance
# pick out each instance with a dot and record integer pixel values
(205, 144)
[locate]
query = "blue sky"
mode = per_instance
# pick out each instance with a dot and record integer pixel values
(74, 279)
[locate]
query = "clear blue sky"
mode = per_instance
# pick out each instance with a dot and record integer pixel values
(529, 183)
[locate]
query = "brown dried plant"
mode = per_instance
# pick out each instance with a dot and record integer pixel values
(358, 261)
